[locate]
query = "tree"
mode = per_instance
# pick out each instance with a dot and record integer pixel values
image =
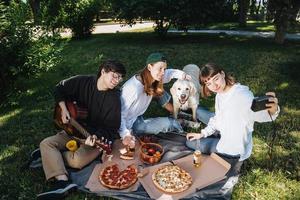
(78, 15)
(36, 10)
(281, 11)
(181, 14)
(243, 6)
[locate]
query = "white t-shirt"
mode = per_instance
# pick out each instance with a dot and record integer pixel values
(234, 119)
(135, 101)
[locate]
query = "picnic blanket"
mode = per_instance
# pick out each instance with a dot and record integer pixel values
(174, 146)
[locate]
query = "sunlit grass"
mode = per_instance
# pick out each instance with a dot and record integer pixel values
(8, 116)
(140, 30)
(266, 28)
(7, 151)
(264, 185)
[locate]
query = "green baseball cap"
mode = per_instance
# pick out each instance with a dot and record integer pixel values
(155, 57)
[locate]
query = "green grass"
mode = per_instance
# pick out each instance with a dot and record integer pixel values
(26, 115)
(262, 26)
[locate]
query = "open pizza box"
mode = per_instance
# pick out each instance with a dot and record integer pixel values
(94, 184)
(213, 169)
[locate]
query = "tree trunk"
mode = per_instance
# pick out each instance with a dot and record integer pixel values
(281, 25)
(243, 6)
(3, 81)
(35, 7)
(252, 8)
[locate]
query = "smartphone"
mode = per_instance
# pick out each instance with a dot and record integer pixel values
(259, 103)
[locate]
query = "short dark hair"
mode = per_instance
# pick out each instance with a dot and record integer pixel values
(209, 70)
(112, 65)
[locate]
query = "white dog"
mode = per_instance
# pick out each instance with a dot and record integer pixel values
(185, 93)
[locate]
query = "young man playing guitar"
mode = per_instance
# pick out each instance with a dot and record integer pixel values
(102, 100)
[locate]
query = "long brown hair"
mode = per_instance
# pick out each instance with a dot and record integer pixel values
(151, 86)
(209, 70)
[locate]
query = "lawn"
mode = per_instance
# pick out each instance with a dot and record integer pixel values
(260, 26)
(26, 115)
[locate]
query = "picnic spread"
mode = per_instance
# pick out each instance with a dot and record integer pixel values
(174, 176)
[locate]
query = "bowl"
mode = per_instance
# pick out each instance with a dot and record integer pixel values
(151, 153)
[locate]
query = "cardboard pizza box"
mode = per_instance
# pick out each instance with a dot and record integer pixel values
(213, 169)
(94, 184)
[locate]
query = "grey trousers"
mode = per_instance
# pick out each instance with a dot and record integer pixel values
(55, 155)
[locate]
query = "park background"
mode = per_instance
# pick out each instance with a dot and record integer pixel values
(35, 55)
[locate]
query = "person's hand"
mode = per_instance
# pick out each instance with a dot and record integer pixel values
(129, 140)
(193, 136)
(91, 140)
(65, 116)
(273, 105)
(187, 77)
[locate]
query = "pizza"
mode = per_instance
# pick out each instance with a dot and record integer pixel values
(171, 179)
(112, 177)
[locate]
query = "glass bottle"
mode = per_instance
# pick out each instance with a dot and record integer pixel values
(197, 158)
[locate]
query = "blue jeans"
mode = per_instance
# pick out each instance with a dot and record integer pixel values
(203, 115)
(156, 125)
(205, 145)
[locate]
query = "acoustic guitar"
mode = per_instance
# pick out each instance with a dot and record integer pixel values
(75, 129)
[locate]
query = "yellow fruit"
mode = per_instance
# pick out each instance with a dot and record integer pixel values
(72, 145)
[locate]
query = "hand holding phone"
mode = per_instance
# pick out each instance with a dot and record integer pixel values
(268, 101)
(259, 103)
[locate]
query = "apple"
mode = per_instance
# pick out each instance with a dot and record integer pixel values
(151, 151)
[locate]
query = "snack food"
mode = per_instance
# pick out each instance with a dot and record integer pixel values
(171, 179)
(150, 153)
(127, 153)
(113, 178)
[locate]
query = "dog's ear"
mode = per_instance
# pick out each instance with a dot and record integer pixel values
(193, 88)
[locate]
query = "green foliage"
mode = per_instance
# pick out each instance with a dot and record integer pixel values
(25, 49)
(77, 15)
(15, 40)
(80, 16)
(181, 14)
(53, 15)
(44, 54)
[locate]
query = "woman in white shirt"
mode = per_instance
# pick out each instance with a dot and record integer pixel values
(137, 94)
(233, 118)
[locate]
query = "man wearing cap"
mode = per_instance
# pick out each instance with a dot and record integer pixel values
(137, 94)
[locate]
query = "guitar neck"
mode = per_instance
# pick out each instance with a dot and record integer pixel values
(105, 146)
(79, 127)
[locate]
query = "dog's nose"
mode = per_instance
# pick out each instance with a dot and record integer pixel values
(183, 96)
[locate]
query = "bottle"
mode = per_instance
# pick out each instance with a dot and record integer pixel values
(197, 158)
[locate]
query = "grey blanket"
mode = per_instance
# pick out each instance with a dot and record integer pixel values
(174, 146)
